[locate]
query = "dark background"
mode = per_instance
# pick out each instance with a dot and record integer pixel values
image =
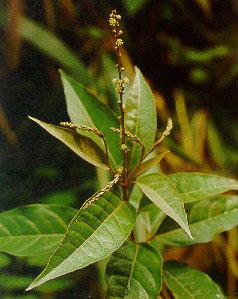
(188, 45)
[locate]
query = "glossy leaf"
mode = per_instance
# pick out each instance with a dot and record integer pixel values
(207, 219)
(84, 108)
(148, 164)
(195, 186)
(161, 191)
(93, 234)
(140, 116)
(83, 146)
(33, 229)
(189, 283)
(134, 271)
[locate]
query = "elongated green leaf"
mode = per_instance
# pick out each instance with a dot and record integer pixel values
(55, 48)
(150, 163)
(51, 45)
(80, 144)
(207, 218)
(161, 191)
(140, 116)
(148, 222)
(134, 271)
(196, 186)
(85, 109)
(33, 229)
(189, 283)
(93, 234)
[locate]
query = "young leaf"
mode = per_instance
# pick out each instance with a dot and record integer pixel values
(150, 163)
(33, 229)
(80, 144)
(140, 116)
(189, 283)
(195, 186)
(134, 271)
(85, 109)
(207, 219)
(161, 191)
(93, 234)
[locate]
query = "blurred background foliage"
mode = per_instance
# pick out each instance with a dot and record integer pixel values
(187, 49)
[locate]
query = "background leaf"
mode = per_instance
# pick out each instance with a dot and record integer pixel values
(52, 46)
(134, 6)
(147, 222)
(85, 109)
(93, 234)
(134, 271)
(80, 144)
(34, 229)
(160, 190)
(189, 283)
(148, 164)
(140, 107)
(195, 186)
(207, 219)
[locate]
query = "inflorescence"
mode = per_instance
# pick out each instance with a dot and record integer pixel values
(102, 191)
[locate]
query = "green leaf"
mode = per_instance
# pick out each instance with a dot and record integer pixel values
(150, 163)
(93, 234)
(135, 197)
(134, 271)
(83, 146)
(38, 260)
(66, 197)
(195, 186)
(161, 191)
(134, 6)
(207, 219)
(4, 260)
(85, 109)
(147, 223)
(53, 47)
(140, 116)
(14, 282)
(189, 283)
(33, 229)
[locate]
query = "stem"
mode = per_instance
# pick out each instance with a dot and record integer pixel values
(120, 90)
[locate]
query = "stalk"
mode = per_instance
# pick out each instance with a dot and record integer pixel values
(114, 18)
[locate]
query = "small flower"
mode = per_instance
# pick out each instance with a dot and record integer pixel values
(119, 89)
(118, 17)
(123, 147)
(119, 42)
(126, 80)
(115, 81)
(112, 22)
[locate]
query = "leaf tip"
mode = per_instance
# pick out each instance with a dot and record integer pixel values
(34, 284)
(189, 234)
(31, 286)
